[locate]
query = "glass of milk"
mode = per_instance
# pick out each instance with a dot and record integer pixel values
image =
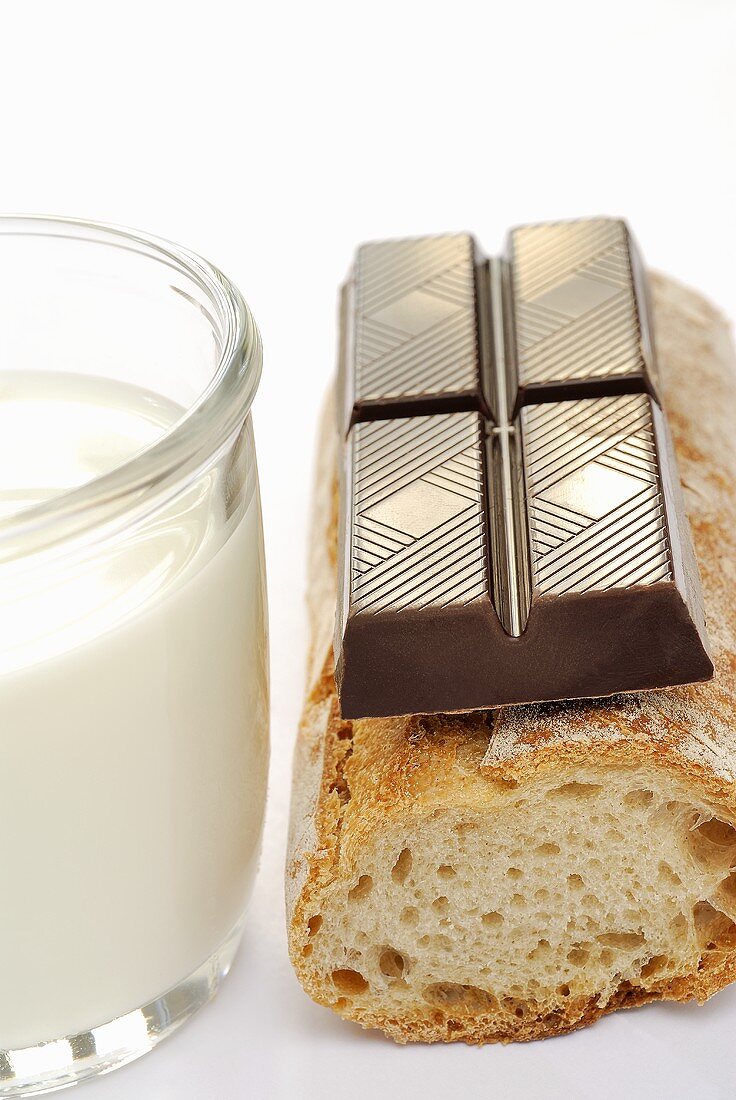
(133, 643)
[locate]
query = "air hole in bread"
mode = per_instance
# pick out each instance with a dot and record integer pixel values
(547, 849)
(623, 941)
(628, 992)
(578, 956)
(576, 790)
(362, 889)
(576, 881)
(446, 871)
(714, 929)
(711, 846)
(724, 898)
(437, 941)
(667, 877)
(717, 832)
(638, 800)
(409, 915)
(656, 964)
(460, 998)
(728, 886)
(679, 925)
(314, 924)
(339, 784)
(492, 920)
(402, 867)
(391, 963)
(514, 873)
(441, 905)
(504, 784)
(677, 808)
(350, 982)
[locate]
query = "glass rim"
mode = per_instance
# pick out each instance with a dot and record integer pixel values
(203, 429)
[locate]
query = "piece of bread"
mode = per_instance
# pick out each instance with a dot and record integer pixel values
(516, 874)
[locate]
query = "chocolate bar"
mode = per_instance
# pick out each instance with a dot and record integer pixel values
(512, 527)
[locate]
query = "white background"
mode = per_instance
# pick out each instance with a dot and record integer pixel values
(272, 138)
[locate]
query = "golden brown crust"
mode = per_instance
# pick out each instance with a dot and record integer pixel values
(351, 777)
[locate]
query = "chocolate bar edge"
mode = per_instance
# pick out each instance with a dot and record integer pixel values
(464, 662)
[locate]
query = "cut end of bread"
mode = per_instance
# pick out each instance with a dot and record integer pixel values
(555, 901)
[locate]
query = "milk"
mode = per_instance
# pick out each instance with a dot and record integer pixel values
(133, 721)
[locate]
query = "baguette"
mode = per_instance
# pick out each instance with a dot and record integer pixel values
(516, 874)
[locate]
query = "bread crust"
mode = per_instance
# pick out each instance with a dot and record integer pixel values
(350, 777)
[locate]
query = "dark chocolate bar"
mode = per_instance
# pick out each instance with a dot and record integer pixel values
(512, 527)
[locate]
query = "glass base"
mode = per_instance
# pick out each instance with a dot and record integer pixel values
(64, 1062)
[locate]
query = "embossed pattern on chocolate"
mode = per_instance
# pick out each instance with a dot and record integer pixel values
(579, 321)
(414, 327)
(419, 526)
(596, 508)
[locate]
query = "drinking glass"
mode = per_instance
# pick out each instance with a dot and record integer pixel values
(133, 643)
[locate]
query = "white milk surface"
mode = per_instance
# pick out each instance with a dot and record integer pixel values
(133, 724)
